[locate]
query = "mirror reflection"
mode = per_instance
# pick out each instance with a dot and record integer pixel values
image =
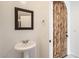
(24, 19)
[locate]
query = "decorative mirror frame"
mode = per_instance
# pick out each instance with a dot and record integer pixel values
(16, 19)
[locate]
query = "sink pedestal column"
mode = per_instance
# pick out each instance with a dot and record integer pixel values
(25, 54)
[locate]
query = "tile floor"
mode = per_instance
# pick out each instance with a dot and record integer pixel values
(71, 56)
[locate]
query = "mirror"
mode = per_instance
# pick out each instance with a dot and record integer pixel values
(23, 19)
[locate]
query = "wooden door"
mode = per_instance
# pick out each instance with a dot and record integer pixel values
(60, 29)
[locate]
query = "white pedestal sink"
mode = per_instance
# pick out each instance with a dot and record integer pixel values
(24, 47)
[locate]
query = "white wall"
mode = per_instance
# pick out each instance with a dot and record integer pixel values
(9, 36)
(51, 29)
(74, 33)
(68, 26)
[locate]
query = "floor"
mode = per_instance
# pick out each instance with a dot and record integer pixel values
(71, 56)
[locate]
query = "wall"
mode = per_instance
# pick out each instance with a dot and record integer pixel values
(51, 29)
(68, 26)
(9, 36)
(74, 26)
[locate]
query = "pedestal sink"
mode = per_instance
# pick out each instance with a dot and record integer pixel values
(24, 47)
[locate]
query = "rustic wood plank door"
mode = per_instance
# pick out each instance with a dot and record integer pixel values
(60, 29)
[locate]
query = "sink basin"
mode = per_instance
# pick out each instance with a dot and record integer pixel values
(24, 45)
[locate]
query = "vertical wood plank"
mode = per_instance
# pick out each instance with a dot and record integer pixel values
(60, 29)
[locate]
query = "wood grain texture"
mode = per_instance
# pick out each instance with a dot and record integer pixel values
(59, 29)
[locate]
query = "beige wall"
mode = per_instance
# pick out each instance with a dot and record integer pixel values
(9, 36)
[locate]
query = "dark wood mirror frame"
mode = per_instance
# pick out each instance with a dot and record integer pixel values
(16, 19)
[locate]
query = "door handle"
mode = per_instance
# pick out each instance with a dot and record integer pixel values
(66, 35)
